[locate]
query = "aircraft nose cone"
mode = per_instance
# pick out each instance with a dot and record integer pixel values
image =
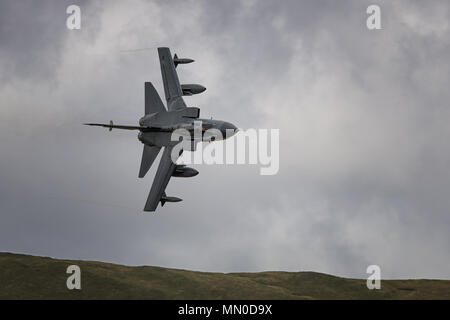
(234, 128)
(229, 129)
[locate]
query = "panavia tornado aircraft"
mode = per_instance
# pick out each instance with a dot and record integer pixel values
(158, 124)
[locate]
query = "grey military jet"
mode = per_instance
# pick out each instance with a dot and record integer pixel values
(158, 124)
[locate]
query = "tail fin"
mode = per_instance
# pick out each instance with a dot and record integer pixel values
(153, 103)
(149, 155)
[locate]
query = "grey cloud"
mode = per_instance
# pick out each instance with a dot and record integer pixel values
(362, 117)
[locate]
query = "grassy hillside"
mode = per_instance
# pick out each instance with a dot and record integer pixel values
(29, 277)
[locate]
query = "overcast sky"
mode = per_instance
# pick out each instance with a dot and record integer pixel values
(364, 137)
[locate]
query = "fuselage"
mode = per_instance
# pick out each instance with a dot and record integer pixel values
(195, 129)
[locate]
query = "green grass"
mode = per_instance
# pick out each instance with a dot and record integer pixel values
(30, 277)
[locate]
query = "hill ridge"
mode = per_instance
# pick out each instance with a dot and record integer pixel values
(33, 277)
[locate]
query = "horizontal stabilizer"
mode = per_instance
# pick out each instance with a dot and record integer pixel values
(153, 103)
(149, 155)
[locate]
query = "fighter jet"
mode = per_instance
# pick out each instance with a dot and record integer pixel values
(158, 124)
